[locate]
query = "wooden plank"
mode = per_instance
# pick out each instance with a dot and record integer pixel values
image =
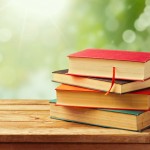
(43, 124)
(20, 138)
(24, 117)
(24, 107)
(71, 135)
(10, 112)
(75, 130)
(24, 102)
(72, 146)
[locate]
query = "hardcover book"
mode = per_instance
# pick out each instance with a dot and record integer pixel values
(122, 119)
(128, 65)
(82, 97)
(103, 84)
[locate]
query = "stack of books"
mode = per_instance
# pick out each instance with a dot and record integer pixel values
(108, 88)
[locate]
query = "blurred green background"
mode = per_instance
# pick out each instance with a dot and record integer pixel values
(37, 35)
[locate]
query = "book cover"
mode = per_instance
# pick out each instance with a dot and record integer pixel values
(113, 55)
(74, 88)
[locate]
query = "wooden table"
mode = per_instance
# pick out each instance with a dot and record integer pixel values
(25, 124)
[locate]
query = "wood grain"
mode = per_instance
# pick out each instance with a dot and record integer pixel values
(25, 107)
(72, 146)
(24, 102)
(23, 121)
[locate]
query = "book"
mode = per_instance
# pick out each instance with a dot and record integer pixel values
(103, 84)
(121, 119)
(128, 65)
(82, 97)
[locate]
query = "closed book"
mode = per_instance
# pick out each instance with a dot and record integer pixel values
(103, 84)
(82, 97)
(128, 65)
(122, 119)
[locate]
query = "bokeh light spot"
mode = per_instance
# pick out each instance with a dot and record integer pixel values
(129, 36)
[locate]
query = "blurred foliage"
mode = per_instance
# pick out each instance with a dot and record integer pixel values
(102, 23)
(36, 36)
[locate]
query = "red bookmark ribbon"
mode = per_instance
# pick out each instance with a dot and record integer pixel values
(113, 81)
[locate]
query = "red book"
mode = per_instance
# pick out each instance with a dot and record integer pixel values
(128, 65)
(81, 97)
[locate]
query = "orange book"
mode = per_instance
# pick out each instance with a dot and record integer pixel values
(81, 97)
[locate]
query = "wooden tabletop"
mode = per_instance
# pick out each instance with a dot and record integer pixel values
(28, 121)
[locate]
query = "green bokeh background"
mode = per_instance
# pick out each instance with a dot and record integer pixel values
(37, 35)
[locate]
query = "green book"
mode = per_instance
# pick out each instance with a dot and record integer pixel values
(121, 119)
